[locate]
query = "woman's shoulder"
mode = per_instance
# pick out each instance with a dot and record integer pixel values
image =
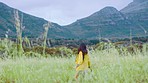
(80, 52)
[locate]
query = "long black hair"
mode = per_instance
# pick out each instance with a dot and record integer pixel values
(83, 49)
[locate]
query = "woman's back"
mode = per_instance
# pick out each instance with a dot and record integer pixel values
(83, 61)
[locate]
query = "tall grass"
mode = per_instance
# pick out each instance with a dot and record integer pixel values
(27, 41)
(19, 28)
(8, 49)
(107, 65)
(46, 27)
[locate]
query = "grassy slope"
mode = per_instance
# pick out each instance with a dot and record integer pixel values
(107, 67)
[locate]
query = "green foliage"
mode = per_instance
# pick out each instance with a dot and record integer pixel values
(65, 51)
(27, 42)
(124, 49)
(107, 63)
(102, 46)
(56, 51)
(8, 49)
(106, 67)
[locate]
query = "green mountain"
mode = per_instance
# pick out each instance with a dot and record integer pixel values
(106, 23)
(33, 25)
(137, 12)
(111, 23)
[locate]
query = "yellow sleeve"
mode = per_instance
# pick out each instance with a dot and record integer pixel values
(88, 61)
(79, 58)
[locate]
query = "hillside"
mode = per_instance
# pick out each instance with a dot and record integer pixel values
(137, 12)
(107, 23)
(33, 25)
(111, 23)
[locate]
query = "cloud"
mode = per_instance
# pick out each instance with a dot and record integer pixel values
(64, 11)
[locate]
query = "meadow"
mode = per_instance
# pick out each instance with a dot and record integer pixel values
(108, 66)
(110, 63)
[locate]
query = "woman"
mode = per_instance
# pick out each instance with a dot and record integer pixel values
(82, 60)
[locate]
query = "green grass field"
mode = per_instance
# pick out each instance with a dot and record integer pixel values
(108, 67)
(110, 62)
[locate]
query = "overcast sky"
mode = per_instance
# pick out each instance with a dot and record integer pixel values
(64, 12)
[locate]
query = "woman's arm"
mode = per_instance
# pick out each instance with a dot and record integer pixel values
(89, 61)
(79, 58)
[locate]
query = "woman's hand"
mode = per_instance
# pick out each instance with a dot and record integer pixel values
(77, 65)
(90, 68)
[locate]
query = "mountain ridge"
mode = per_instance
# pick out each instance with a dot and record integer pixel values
(137, 12)
(33, 25)
(107, 23)
(107, 18)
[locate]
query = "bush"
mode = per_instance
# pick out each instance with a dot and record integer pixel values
(56, 51)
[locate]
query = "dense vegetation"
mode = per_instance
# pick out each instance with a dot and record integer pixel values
(109, 64)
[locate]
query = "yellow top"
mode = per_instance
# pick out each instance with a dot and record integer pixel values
(82, 64)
